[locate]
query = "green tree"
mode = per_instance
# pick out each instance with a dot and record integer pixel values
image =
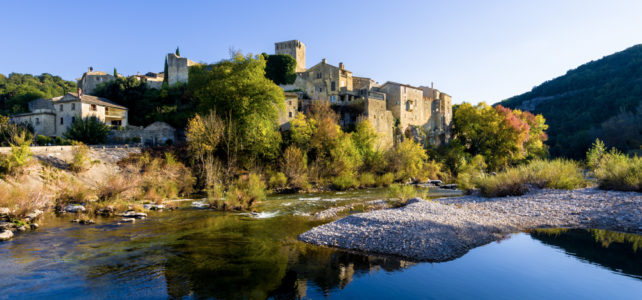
(165, 73)
(17, 90)
(280, 68)
(407, 159)
(115, 73)
(178, 52)
(89, 130)
(239, 93)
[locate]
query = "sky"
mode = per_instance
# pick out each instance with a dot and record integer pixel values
(473, 50)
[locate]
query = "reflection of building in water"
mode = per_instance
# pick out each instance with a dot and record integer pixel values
(345, 274)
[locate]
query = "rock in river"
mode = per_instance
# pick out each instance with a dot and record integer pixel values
(74, 208)
(133, 214)
(4, 211)
(6, 235)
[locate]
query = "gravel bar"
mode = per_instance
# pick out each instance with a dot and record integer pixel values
(446, 228)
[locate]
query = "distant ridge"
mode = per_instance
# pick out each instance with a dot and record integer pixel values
(602, 98)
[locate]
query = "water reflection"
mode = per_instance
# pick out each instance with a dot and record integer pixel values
(616, 251)
(204, 254)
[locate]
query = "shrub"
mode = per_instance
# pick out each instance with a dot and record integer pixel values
(70, 190)
(243, 194)
(555, 174)
(278, 181)
(470, 172)
(19, 155)
(407, 160)
(617, 171)
(385, 179)
(44, 140)
(80, 161)
(89, 131)
(21, 199)
(367, 180)
(404, 192)
(344, 181)
(114, 187)
(430, 170)
(294, 167)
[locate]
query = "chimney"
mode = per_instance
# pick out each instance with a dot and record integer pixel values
(79, 92)
(341, 65)
(432, 85)
(91, 69)
(325, 61)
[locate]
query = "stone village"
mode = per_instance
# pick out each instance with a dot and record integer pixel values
(393, 108)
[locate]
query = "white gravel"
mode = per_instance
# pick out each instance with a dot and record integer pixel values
(447, 228)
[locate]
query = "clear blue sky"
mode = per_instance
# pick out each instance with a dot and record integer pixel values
(473, 50)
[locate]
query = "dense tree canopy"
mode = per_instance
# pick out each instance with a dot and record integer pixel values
(280, 68)
(244, 98)
(18, 89)
(90, 131)
(501, 135)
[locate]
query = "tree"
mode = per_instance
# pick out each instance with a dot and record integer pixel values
(280, 68)
(203, 137)
(165, 75)
(240, 94)
(89, 130)
(295, 167)
(407, 159)
(301, 131)
(115, 73)
(178, 52)
(365, 138)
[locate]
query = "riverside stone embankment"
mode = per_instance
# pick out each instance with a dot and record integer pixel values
(447, 228)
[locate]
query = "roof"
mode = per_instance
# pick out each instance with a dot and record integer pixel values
(95, 73)
(401, 84)
(40, 103)
(69, 97)
(321, 63)
(31, 114)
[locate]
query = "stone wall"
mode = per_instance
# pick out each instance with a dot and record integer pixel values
(177, 68)
(43, 123)
(294, 48)
(382, 120)
(89, 81)
(291, 109)
(158, 133)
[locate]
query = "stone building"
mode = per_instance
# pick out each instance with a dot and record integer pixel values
(291, 109)
(91, 79)
(177, 68)
(152, 80)
(294, 48)
(52, 117)
(354, 97)
(155, 134)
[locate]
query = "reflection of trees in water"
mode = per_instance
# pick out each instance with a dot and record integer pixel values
(614, 250)
(259, 259)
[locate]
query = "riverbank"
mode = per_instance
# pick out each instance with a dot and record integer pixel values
(447, 228)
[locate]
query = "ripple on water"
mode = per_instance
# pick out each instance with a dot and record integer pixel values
(310, 199)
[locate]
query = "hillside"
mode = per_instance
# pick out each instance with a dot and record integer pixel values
(600, 99)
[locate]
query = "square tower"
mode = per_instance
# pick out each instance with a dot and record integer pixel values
(294, 48)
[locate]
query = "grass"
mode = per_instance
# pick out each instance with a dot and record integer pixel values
(80, 161)
(515, 181)
(22, 200)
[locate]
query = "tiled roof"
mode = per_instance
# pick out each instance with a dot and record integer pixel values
(90, 99)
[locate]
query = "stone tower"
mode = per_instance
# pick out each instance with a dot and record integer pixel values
(294, 48)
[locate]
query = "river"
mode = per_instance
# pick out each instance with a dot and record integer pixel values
(194, 253)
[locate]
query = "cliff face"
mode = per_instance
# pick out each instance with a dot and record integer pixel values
(592, 101)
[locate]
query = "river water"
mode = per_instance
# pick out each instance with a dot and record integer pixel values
(193, 253)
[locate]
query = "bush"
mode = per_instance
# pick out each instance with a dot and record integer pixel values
(295, 167)
(404, 192)
(470, 172)
(21, 199)
(70, 190)
(18, 157)
(42, 140)
(243, 194)
(90, 131)
(345, 181)
(367, 180)
(407, 160)
(277, 181)
(515, 181)
(617, 171)
(80, 161)
(385, 179)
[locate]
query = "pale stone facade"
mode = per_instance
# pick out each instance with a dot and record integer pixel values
(294, 48)
(91, 79)
(291, 109)
(52, 117)
(157, 133)
(353, 97)
(177, 68)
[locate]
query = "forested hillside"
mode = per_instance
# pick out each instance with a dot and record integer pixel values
(600, 99)
(17, 90)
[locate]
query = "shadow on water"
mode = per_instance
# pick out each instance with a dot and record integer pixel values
(617, 251)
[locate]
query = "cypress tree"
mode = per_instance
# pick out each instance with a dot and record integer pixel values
(115, 73)
(165, 75)
(178, 52)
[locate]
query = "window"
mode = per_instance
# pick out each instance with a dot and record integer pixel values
(333, 99)
(332, 86)
(290, 103)
(60, 107)
(62, 121)
(93, 107)
(290, 114)
(319, 75)
(73, 119)
(37, 121)
(320, 89)
(73, 106)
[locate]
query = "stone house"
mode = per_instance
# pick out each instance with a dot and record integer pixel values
(52, 117)
(291, 109)
(325, 82)
(91, 79)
